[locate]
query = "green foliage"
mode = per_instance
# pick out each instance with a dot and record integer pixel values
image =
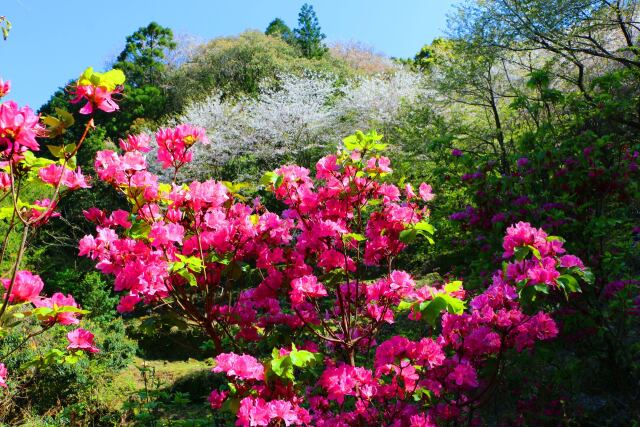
(308, 34)
(277, 28)
(5, 27)
(64, 389)
(237, 66)
(142, 59)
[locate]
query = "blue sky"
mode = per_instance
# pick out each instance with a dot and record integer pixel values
(52, 41)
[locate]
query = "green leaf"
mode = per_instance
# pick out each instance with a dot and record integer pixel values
(193, 263)
(283, 367)
(231, 405)
(56, 150)
(424, 226)
(109, 80)
(31, 161)
(587, 275)
(408, 235)
(42, 311)
(521, 252)
(431, 309)
(569, 283)
(271, 178)
(542, 288)
(453, 286)
(355, 236)
(6, 212)
(535, 252)
(186, 274)
(405, 305)
(139, 230)
(304, 358)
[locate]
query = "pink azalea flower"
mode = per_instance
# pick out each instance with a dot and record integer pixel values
(59, 300)
(253, 412)
(568, 261)
(217, 398)
(81, 339)
(97, 97)
(326, 166)
(51, 174)
(544, 272)
(408, 189)
(5, 181)
(26, 288)
(163, 234)
(128, 303)
(463, 375)
(282, 410)
(426, 192)
(306, 286)
(5, 87)
(74, 179)
(3, 375)
(18, 129)
(242, 366)
(141, 142)
(173, 144)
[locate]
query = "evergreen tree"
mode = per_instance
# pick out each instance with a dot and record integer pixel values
(143, 58)
(308, 35)
(278, 28)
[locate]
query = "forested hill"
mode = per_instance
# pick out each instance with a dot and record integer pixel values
(525, 117)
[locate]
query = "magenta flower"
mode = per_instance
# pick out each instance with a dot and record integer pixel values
(426, 192)
(97, 89)
(81, 339)
(217, 398)
(456, 153)
(26, 288)
(59, 300)
(5, 181)
(544, 272)
(136, 143)
(569, 261)
(18, 129)
(51, 174)
(242, 366)
(464, 375)
(306, 286)
(253, 412)
(3, 375)
(173, 144)
(5, 87)
(128, 303)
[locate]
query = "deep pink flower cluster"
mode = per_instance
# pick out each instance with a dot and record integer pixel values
(53, 174)
(81, 339)
(174, 144)
(3, 375)
(193, 246)
(244, 367)
(5, 88)
(27, 287)
(97, 89)
(18, 130)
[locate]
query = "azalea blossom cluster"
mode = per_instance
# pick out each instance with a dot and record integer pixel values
(21, 291)
(322, 272)
(426, 382)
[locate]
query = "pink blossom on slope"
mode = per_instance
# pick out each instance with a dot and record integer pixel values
(81, 339)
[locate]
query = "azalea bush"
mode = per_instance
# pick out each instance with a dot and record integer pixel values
(31, 190)
(318, 282)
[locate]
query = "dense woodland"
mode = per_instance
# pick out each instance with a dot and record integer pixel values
(527, 112)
